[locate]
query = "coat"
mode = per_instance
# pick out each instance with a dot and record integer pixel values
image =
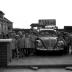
(27, 42)
(21, 43)
(32, 37)
(13, 44)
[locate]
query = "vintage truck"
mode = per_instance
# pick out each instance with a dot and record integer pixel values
(48, 41)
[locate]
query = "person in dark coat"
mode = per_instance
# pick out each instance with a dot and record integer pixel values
(33, 38)
(67, 40)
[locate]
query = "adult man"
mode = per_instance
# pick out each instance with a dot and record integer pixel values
(33, 38)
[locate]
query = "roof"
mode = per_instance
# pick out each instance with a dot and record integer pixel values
(7, 20)
(2, 13)
(36, 25)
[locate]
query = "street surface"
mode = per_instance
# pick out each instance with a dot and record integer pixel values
(39, 70)
(40, 60)
(43, 60)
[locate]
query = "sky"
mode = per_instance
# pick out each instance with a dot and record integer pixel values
(25, 12)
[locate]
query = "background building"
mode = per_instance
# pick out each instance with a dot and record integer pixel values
(47, 22)
(6, 25)
(68, 28)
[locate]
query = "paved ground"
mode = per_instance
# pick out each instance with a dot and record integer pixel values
(43, 60)
(29, 70)
(46, 60)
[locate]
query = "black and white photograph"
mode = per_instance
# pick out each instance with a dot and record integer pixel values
(35, 35)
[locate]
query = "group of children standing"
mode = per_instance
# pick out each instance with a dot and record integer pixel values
(21, 43)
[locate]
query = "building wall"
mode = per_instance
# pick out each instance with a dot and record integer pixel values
(0, 27)
(68, 28)
(10, 27)
(47, 22)
(5, 26)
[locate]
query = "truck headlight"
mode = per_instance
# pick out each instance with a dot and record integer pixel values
(38, 43)
(60, 43)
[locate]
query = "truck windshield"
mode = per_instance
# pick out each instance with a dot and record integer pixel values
(47, 33)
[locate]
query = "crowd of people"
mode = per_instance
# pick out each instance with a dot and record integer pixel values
(22, 43)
